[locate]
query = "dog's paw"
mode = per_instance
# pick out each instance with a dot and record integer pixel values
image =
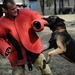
(48, 60)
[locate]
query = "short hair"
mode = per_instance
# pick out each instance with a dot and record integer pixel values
(5, 2)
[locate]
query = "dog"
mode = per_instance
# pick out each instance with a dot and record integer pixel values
(60, 40)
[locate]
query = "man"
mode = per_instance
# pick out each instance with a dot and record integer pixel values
(18, 40)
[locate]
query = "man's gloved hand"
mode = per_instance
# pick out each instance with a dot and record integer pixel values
(37, 25)
(8, 50)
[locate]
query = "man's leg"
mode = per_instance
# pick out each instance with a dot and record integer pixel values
(18, 70)
(40, 63)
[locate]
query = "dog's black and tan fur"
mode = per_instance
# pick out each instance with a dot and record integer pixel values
(60, 40)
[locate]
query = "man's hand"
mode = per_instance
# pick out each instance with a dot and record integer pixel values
(8, 50)
(37, 25)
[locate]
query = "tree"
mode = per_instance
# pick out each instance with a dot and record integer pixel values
(42, 6)
(55, 7)
(24, 5)
(61, 6)
(68, 3)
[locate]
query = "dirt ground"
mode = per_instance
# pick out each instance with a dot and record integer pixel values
(58, 65)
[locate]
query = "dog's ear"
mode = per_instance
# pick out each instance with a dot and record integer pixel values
(58, 19)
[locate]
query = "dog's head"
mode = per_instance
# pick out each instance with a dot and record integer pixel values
(54, 21)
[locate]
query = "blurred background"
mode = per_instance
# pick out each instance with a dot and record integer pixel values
(48, 7)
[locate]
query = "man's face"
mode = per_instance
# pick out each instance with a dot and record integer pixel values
(12, 10)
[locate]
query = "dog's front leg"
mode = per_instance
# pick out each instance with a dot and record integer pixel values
(54, 52)
(60, 49)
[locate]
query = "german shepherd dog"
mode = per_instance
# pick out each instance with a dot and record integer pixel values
(60, 40)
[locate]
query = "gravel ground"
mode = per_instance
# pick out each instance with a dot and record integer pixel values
(58, 65)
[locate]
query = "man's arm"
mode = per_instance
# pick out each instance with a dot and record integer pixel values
(38, 24)
(4, 46)
(37, 20)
